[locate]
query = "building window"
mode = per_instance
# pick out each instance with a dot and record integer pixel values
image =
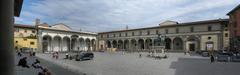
(177, 30)
(16, 41)
(140, 32)
(148, 32)
(31, 43)
(133, 34)
(126, 34)
(191, 29)
(114, 35)
(25, 30)
(209, 28)
(209, 38)
(156, 31)
(33, 31)
(101, 36)
(166, 30)
(225, 25)
(120, 34)
(226, 34)
(107, 35)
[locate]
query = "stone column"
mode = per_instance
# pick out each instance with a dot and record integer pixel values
(129, 45)
(144, 44)
(70, 46)
(152, 44)
(137, 45)
(6, 44)
(172, 39)
(123, 45)
(51, 45)
(60, 44)
(184, 45)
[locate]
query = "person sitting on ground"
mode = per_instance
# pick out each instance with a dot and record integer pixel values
(56, 55)
(23, 62)
(36, 64)
(34, 53)
(44, 72)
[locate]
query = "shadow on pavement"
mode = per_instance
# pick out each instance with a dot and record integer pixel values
(197, 66)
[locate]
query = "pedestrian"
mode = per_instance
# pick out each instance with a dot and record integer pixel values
(56, 55)
(212, 58)
(67, 56)
(140, 55)
(23, 62)
(44, 72)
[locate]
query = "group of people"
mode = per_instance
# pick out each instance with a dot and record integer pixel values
(36, 64)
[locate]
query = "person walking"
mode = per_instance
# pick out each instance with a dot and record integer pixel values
(56, 55)
(212, 58)
(140, 55)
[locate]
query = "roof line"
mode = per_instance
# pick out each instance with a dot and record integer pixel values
(182, 24)
(234, 9)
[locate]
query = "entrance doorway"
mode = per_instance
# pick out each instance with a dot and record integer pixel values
(192, 47)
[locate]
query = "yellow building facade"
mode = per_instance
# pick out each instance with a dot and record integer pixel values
(25, 37)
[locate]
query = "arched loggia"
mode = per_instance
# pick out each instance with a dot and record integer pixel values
(93, 44)
(120, 44)
(177, 43)
(47, 43)
(126, 45)
(56, 43)
(66, 44)
(141, 44)
(168, 43)
(88, 46)
(81, 44)
(133, 44)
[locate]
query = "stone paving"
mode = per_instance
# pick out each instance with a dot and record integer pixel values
(130, 64)
(53, 68)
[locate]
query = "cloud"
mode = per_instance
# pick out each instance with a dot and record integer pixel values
(107, 15)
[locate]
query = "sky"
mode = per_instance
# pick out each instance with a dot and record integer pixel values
(110, 15)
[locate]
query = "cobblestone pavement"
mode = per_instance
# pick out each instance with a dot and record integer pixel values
(54, 69)
(131, 64)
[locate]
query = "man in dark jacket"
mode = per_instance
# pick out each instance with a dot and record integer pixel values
(212, 58)
(23, 62)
